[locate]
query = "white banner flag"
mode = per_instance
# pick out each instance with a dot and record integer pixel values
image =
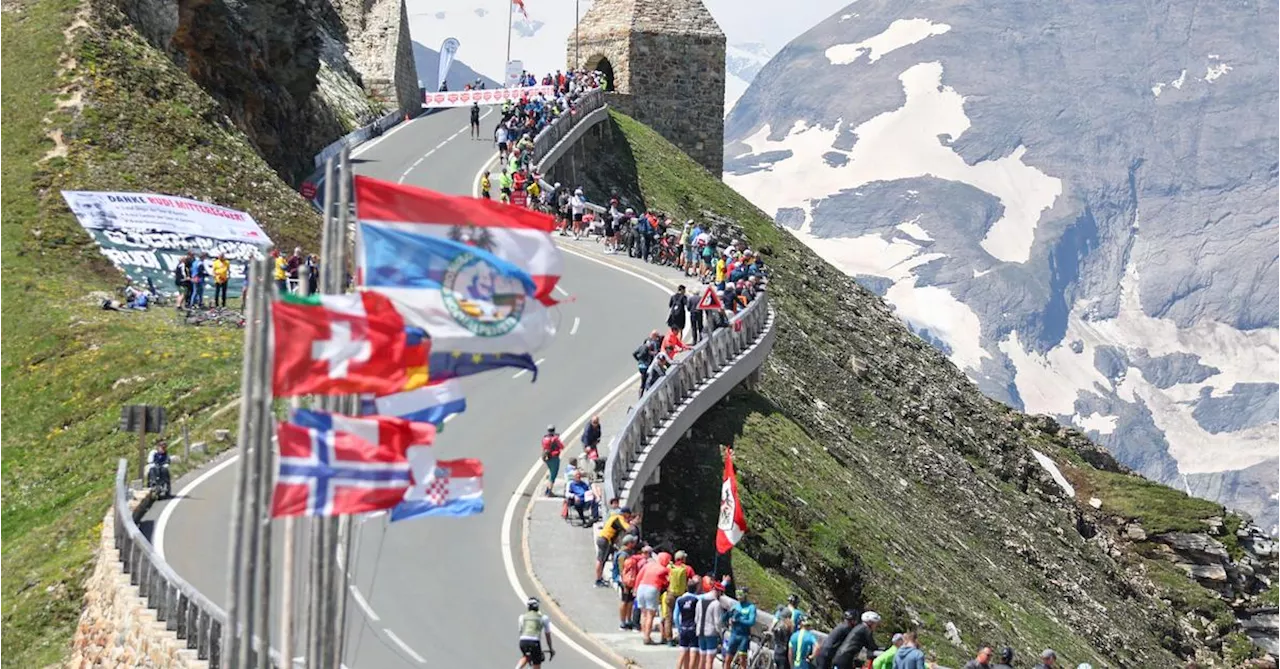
(448, 49)
(515, 68)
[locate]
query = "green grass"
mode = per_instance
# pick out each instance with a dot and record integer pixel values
(68, 366)
(1158, 508)
(900, 488)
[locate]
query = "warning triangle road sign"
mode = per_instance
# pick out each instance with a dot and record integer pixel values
(710, 300)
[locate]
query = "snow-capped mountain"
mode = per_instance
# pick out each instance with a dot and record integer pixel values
(1076, 201)
(742, 64)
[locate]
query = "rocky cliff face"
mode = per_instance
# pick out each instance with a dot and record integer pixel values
(293, 76)
(1075, 202)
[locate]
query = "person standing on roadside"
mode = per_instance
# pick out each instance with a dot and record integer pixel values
(802, 646)
(685, 624)
(1048, 660)
(617, 523)
(828, 649)
(677, 304)
(1006, 659)
(182, 280)
(552, 447)
(221, 275)
(861, 639)
(909, 655)
(885, 659)
(673, 344)
(657, 370)
(475, 120)
(982, 660)
(678, 578)
(644, 355)
(707, 621)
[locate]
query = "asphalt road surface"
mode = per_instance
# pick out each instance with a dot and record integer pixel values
(435, 591)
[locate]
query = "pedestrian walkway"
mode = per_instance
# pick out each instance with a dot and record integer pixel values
(562, 553)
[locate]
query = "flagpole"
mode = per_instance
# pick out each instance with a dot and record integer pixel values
(577, 18)
(316, 629)
(510, 12)
(286, 568)
(346, 403)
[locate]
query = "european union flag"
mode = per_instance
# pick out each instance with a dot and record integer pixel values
(453, 364)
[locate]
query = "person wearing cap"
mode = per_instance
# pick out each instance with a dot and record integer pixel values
(616, 525)
(1006, 659)
(982, 660)
(552, 447)
(1048, 659)
(742, 619)
(707, 621)
(802, 647)
(861, 639)
(885, 659)
(909, 654)
(577, 207)
(532, 625)
(786, 621)
(678, 578)
(625, 595)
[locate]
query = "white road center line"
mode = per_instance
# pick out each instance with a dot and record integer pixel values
(574, 330)
(364, 605)
(441, 145)
(157, 537)
(561, 290)
(403, 646)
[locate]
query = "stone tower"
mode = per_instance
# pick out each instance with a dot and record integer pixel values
(665, 60)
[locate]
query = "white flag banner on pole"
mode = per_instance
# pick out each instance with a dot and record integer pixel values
(448, 50)
(514, 69)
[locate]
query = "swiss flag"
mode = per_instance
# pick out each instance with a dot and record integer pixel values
(733, 520)
(340, 344)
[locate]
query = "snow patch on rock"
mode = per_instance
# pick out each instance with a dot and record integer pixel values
(900, 33)
(1052, 467)
(902, 144)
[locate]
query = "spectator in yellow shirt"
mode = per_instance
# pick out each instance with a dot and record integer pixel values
(221, 274)
(281, 273)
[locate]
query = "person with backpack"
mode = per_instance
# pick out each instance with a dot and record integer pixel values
(644, 355)
(552, 447)
(629, 575)
(617, 523)
(625, 594)
(786, 621)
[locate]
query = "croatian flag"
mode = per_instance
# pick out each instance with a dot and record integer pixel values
(430, 404)
(441, 487)
(514, 234)
(333, 465)
(467, 298)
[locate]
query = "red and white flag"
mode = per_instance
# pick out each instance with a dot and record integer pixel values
(339, 344)
(514, 234)
(520, 4)
(733, 520)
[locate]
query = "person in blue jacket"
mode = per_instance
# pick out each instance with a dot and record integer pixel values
(741, 620)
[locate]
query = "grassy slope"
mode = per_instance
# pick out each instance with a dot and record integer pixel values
(900, 488)
(67, 365)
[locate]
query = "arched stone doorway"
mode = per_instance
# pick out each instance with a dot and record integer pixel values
(602, 64)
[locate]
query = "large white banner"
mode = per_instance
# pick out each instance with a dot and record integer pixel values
(448, 50)
(145, 234)
(515, 68)
(494, 96)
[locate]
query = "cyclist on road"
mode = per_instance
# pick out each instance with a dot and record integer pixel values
(532, 624)
(475, 120)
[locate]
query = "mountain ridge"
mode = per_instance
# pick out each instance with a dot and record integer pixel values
(1095, 281)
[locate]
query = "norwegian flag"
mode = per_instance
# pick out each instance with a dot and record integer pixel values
(333, 465)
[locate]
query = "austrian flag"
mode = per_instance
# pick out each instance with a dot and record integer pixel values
(732, 525)
(340, 344)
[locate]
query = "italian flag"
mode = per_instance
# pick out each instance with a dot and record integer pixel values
(340, 344)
